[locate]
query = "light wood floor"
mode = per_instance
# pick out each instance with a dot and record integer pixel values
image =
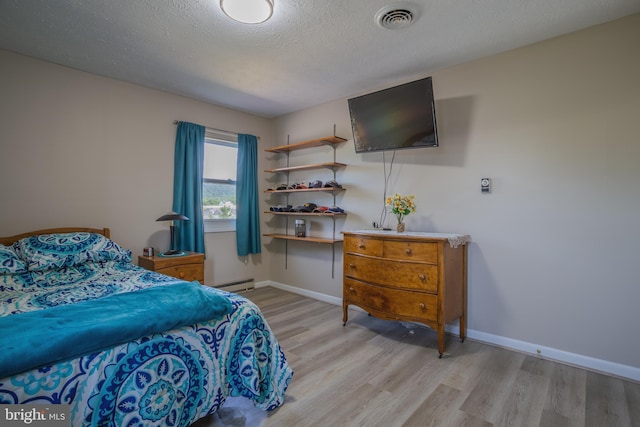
(373, 372)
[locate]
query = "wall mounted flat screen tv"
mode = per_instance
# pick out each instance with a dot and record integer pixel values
(400, 117)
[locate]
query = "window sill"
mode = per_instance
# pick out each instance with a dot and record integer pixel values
(219, 225)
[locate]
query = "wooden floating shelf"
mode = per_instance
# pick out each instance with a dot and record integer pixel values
(304, 190)
(329, 140)
(328, 165)
(303, 239)
(307, 213)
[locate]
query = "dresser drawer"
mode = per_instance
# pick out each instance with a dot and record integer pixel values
(416, 251)
(186, 272)
(397, 274)
(363, 245)
(394, 303)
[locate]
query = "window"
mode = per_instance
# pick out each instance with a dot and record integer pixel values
(219, 183)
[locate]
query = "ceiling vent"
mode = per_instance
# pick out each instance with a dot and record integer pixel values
(397, 15)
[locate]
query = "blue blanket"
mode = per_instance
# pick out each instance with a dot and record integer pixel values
(32, 339)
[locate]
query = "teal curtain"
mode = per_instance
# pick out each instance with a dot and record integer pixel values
(187, 186)
(247, 206)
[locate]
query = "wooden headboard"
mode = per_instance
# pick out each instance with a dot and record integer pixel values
(10, 239)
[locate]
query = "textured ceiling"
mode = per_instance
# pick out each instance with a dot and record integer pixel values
(308, 53)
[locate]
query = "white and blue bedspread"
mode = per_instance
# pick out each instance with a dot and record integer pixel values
(164, 378)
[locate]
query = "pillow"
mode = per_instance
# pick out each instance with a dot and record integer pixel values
(14, 282)
(9, 261)
(49, 251)
(61, 276)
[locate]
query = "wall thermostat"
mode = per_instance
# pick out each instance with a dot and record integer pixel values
(485, 185)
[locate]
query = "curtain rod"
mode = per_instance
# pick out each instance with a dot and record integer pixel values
(175, 122)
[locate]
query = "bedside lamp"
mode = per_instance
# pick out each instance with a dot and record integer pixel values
(173, 216)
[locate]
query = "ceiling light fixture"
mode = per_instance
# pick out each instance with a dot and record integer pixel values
(247, 11)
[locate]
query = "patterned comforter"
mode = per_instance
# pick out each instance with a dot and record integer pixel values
(169, 378)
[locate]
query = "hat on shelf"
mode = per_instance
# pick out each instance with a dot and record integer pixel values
(333, 183)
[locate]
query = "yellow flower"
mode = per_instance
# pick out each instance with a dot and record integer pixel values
(401, 205)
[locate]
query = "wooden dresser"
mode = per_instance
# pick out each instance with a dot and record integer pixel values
(189, 267)
(418, 277)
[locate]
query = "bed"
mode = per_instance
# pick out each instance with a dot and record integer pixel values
(81, 325)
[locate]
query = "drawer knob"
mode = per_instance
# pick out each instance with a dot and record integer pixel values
(408, 251)
(352, 266)
(181, 274)
(360, 246)
(422, 277)
(353, 291)
(422, 306)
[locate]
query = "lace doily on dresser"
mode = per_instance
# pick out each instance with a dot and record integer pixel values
(456, 240)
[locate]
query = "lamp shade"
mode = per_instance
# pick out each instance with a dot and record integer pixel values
(247, 11)
(173, 216)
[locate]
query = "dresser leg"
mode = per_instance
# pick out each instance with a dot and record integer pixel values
(440, 340)
(463, 318)
(345, 313)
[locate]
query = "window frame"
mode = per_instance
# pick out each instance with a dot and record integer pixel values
(220, 225)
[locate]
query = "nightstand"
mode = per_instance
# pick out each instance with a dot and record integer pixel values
(188, 267)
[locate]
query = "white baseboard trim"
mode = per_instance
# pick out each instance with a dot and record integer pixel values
(311, 294)
(573, 359)
(578, 360)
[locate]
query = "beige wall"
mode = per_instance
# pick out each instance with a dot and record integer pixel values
(81, 150)
(553, 263)
(554, 258)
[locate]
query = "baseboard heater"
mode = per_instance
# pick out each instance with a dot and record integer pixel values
(240, 285)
